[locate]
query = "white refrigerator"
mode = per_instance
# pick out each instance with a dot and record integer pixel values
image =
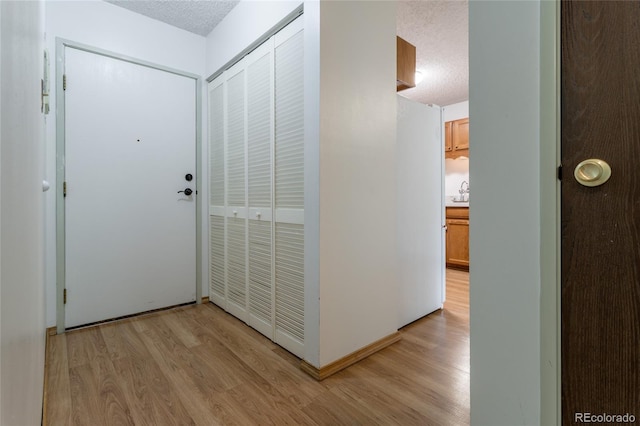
(420, 203)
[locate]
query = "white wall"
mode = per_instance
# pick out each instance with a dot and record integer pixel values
(22, 310)
(456, 172)
(246, 22)
(312, 182)
(455, 111)
(357, 269)
(456, 169)
(550, 386)
(505, 236)
(106, 26)
(1, 50)
(0, 216)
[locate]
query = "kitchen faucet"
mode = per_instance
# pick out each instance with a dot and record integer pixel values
(462, 191)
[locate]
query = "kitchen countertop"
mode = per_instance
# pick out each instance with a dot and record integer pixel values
(448, 202)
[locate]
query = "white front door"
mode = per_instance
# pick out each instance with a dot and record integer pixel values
(130, 142)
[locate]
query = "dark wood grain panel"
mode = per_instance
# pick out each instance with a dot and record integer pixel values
(600, 226)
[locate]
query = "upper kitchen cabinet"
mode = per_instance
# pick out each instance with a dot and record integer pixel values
(405, 65)
(460, 132)
(448, 136)
(456, 138)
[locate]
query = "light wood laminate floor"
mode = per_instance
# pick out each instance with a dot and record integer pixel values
(199, 365)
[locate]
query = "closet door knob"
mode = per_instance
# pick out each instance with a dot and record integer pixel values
(592, 172)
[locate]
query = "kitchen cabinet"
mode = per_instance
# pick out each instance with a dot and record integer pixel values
(448, 137)
(457, 220)
(456, 138)
(405, 65)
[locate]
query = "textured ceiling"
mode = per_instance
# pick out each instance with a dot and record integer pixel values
(438, 28)
(440, 32)
(196, 16)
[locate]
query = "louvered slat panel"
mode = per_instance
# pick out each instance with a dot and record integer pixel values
(289, 125)
(216, 143)
(262, 148)
(217, 256)
(236, 261)
(235, 140)
(260, 270)
(259, 107)
(289, 263)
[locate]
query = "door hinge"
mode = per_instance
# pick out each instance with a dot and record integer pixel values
(560, 172)
(64, 296)
(64, 82)
(64, 189)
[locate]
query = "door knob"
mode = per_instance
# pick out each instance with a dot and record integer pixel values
(592, 172)
(187, 191)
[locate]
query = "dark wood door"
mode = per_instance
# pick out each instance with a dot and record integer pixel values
(601, 225)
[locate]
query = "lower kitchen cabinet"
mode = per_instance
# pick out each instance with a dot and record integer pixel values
(457, 219)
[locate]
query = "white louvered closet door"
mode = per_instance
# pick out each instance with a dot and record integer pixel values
(236, 225)
(289, 188)
(259, 183)
(257, 189)
(217, 211)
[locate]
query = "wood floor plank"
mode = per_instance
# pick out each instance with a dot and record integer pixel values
(85, 405)
(226, 410)
(330, 409)
(122, 340)
(257, 353)
(180, 330)
(112, 402)
(197, 365)
(152, 398)
(185, 389)
(379, 398)
(84, 345)
(265, 406)
(112, 334)
(57, 370)
(175, 358)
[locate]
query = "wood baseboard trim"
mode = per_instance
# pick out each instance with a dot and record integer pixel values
(50, 331)
(205, 299)
(348, 360)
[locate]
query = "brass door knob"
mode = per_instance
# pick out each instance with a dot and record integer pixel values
(592, 172)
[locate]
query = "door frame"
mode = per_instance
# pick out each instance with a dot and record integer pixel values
(550, 235)
(61, 45)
